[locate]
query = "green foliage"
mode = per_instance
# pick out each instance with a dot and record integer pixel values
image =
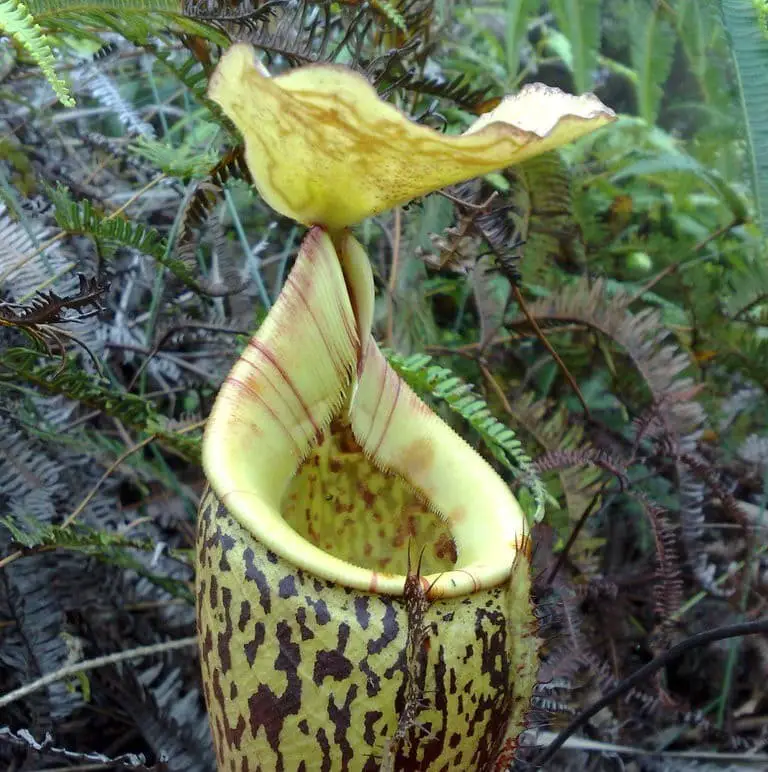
(183, 162)
(749, 47)
(517, 14)
(579, 21)
(69, 379)
(51, 7)
(653, 47)
(112, 548)
(17, 22)
(80, 217)
(542, 192)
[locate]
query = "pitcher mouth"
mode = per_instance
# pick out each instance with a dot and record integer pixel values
(345, 520)
(321, 451)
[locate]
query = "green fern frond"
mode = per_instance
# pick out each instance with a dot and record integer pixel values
(579, 21)
(68, 378)
(16, 21)
(185, 161)
(441, 384)
(113, 548)
(542, 198)
(652, 50)
(665, 167)
(748, 289)
(44, 8)
(81, 218)
(389, 12)
(749, 48)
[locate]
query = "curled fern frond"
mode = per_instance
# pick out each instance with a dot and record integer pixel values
(554, 432)
(459, 90)
(668, 588)
(441, 383)
(643, 337)
(16, 21)
(556, 460)
(47, 308)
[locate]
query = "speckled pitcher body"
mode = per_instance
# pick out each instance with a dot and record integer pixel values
(302, 673)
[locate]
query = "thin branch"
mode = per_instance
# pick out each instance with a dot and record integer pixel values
(644, 673)
(111, 468)
(574, 535)
(674, 267)
(90, 664)
(543, 338)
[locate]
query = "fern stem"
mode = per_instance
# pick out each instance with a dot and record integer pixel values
(77, 511)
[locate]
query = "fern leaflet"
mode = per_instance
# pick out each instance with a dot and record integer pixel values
(81, 218)
(70, 380)
(16, 21)
(112, 548)
(749, 47)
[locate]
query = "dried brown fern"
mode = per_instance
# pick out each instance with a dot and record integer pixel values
(662, 364)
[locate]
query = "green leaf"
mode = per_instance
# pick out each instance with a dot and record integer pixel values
(749, 48)
(517, 15)
(652, 51)
(16, 21)
(665, 163)
(579, 21)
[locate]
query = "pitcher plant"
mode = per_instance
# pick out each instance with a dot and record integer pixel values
(363, 574)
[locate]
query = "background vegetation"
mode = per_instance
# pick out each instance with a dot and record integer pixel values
(135, 259)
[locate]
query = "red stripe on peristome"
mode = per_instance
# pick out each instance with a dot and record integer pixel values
(292, 281)
(388, 422)
(373, 586)
(255, 395)
(264, 375)
(267, 353)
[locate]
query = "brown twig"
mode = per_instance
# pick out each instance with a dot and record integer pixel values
(543, 338)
